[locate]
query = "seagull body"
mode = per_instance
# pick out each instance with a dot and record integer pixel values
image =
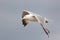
(28, 16)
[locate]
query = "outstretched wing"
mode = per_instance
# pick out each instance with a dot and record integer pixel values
(45, 30)
(41, 21)
(24, 22)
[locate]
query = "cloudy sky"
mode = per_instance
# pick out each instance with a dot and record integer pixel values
(11, 27)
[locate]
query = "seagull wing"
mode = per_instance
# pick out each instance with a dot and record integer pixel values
(24, 13)
(45, 30)
(24, 22)
(30, 16)
(41, 21)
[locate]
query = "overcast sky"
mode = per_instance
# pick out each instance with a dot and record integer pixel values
(11, 27)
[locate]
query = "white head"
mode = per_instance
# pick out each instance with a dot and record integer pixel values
(48, 20)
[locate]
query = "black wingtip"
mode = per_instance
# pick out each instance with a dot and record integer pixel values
(24, 22)
(47, 32)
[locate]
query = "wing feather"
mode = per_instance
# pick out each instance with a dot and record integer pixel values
(24, 22)
(42, 25)
(45, 30)
(24, 13)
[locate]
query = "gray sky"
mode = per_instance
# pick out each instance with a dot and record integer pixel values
(11, 27)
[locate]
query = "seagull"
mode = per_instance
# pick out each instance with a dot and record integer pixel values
(28, 16)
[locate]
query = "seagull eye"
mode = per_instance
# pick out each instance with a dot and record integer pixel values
(46, 21)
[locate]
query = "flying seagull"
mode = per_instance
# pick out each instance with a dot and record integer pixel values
(28, 16)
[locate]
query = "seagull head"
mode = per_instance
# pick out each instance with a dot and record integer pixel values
(46, 20)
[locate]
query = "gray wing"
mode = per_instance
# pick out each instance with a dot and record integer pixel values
(45, 30)
(41, 21)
